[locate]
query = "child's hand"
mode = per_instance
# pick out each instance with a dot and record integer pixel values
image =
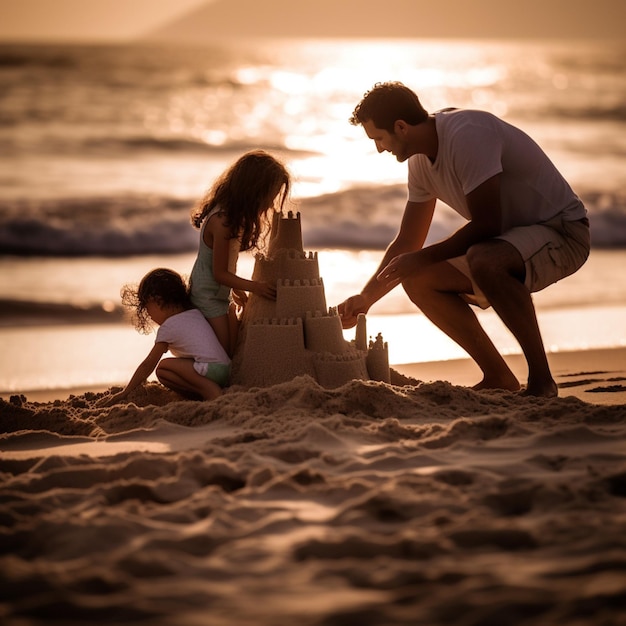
(240, 297)
(117, 398)
(265, 290)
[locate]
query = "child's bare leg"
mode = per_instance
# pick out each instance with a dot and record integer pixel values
(221, 327)
(179, 375)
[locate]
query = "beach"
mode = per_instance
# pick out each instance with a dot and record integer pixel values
(593, 376)
(416, 502)
(92, 198)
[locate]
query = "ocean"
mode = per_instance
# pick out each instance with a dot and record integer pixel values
(106, 148)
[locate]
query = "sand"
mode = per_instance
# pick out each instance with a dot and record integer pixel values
(368, 504)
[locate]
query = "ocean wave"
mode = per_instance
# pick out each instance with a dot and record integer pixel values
(599, 58)
(368, 218)
(114, 62)
(597, 112)
(22, 56)
(126, 145)
(358, 218)
(114, 226)
(36, 313)
(131, 146)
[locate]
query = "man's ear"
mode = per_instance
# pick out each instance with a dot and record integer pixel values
(400, 127)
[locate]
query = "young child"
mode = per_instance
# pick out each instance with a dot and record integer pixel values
(200, 364)
(232, 218)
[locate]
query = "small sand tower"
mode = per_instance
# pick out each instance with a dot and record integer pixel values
(297, 334)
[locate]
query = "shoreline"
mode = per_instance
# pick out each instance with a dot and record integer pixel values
(597, 376)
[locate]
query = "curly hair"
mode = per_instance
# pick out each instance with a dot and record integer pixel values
(164, 286)
(245, 194)
(386, 103)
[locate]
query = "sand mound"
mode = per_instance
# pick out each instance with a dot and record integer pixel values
(365, 504)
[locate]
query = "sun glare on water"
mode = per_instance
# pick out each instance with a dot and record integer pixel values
(317, 89)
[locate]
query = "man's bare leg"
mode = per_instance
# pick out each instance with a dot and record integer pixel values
(498, 269)
(436, 293)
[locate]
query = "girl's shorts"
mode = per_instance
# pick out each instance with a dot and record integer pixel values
(217, 372)
(551, 251)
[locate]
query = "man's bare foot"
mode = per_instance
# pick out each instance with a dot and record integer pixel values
(541, 389)
(508, 383)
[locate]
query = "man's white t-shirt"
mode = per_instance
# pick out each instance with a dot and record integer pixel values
(189, 335)
(476, 145)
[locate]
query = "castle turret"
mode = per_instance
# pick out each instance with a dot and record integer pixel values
(377, 360)
(286, 233)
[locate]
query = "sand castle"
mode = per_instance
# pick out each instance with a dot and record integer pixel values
(297, 334)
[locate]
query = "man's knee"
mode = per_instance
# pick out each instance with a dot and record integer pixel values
(480, 258)
(439, 278)
(416, 288)
(489, 259)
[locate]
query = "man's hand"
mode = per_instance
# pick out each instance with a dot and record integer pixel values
(350, 309)
(399, 268)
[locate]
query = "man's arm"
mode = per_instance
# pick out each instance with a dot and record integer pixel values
(414, 227)
(486, 223)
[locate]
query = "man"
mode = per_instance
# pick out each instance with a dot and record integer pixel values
(526, 228)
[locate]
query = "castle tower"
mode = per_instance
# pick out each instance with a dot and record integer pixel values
(296, 334)
(377, 360)
(286, 233)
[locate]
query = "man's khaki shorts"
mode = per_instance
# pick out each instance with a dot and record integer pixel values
(551, 251)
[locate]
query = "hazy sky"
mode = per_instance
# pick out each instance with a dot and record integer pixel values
(86, 19)
(93, 20)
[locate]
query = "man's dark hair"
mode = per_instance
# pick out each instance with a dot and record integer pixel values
(387, 103)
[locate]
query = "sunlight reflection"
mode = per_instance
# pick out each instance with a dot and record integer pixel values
(290, 82)
(249, 75)
(304, 102)
(213, 137)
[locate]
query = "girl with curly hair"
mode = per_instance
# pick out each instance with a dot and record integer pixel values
(199, 366)
(233, 218)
